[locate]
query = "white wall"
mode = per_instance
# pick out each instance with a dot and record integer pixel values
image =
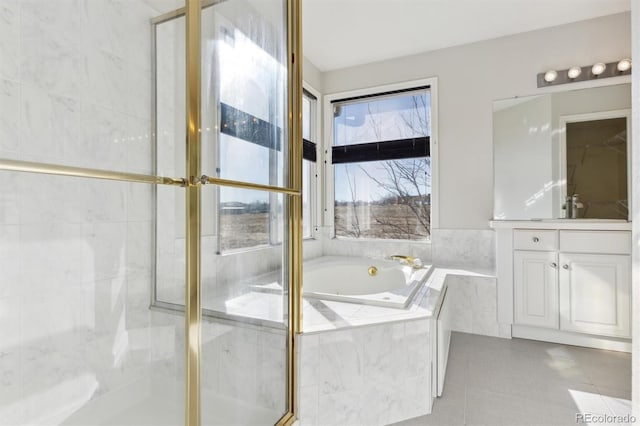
(470, 77)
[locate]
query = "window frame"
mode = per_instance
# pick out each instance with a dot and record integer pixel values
(327, 145)
(316, 168)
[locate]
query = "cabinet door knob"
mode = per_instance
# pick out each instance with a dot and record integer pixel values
(536, 239)
(565, 266)
(554, 265)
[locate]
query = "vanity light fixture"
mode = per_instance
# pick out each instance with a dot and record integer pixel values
(550, 76)
(624, 65)
(598, 70)
(574, 72)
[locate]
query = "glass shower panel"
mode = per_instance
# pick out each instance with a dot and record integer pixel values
(170, 245)
(79, 343)
(244, 117)
(244, 300)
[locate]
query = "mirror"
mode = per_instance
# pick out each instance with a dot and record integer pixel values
(563, 155)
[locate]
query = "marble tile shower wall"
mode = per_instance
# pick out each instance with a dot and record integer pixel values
(75, 254)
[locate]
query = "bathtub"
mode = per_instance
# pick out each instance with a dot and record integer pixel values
(347, 279)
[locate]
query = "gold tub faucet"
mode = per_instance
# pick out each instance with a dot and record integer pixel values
(411, 261)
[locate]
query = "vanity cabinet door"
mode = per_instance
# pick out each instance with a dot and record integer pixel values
(536, 288)
(595, 294)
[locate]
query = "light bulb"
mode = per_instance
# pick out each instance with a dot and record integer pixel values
(574, 72)
(624, 65)
(598, 68)
(550, 76)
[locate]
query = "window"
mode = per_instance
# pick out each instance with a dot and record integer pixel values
(250, 142)
(382, 165)
(309, 105)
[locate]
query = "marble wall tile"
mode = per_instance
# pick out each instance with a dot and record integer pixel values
(103, 143)
(47, 123)
(9, 115)
(9, 199)
(308, 405)
(464, 248)
(105, 250)
(9, 261)
(9, 39)
(376, 249)
(271, 371)
(139, 246)
(50, 51)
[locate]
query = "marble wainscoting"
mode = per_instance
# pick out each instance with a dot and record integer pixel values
(464, 248)
(372, 375)
(379, 249)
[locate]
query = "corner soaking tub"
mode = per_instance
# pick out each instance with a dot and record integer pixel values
(348, 279)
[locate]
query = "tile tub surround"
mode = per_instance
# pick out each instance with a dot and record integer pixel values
(371, 375)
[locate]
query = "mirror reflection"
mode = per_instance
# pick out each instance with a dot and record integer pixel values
(563, 155)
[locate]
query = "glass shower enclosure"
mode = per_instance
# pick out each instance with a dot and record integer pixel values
(150, 211)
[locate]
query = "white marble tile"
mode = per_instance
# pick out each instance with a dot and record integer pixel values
(103, 142)
(138, 144)
(139, 202)
(51, 57)
(105, 250)
(308, 365)
(9, 116)
(308, 405)
(100, 200)
(271, 376)
(464, 248)
(139, 246)
(9, 260)
(47, 123)
(238, 365)
(338, 408)
(340, 363)
(105, 27)
(106, 83)
(10, 39)
(49, 256)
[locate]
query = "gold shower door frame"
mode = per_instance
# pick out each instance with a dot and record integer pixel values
(193, 183)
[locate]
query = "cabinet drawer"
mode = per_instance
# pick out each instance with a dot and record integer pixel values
(535, 239)
(608, 242)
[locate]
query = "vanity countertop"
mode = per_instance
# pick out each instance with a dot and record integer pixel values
(589, 224)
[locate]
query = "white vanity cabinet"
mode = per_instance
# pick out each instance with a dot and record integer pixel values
(566, 285)
(535, 293)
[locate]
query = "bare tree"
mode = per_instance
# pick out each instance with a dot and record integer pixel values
(353, 229)
(406, 181)
(405, 212)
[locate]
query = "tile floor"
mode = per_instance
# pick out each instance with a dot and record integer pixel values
(493, 381)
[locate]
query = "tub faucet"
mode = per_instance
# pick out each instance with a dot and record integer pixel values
(414, 262)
